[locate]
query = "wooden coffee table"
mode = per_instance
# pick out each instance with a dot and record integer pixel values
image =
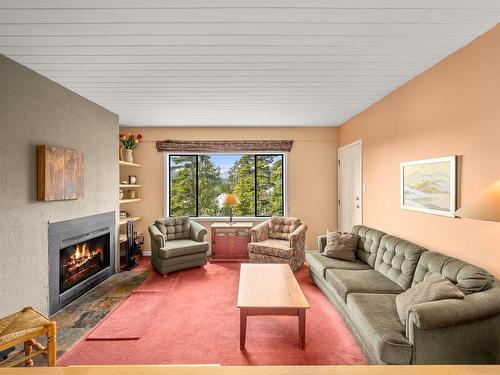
(270, 289)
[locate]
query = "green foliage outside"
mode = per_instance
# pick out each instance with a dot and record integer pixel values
(269, 185)
(213, 184)
(241, 178)
(183, 185)
(210, 186)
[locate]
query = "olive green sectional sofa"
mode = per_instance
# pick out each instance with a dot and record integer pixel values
(364, 292)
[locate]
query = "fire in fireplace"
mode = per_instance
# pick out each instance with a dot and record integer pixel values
(82, 260)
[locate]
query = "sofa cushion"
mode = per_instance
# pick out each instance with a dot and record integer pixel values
(174, 228)
(281, 227)
(276, 248)
(375, 316)
(369, 240)
(178, 248)
(341, 245)
(361, 281)
(435, 287)
(468, 278)
(319, 263)
(397, 259)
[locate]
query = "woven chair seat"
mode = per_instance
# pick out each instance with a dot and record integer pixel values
(21, 324)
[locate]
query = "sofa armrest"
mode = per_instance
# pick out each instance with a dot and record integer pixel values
(298, 239)
(260, 232)
(321, 243)
(197, 231)
(448, 312)
(456, 331)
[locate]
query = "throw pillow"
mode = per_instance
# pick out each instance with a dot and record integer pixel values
(434, 287)
(341, 245)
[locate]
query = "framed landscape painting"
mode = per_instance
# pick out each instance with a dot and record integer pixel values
(430, 185)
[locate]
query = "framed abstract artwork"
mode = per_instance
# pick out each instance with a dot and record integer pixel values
(430, 185)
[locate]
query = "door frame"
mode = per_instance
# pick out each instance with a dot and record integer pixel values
(361, 198)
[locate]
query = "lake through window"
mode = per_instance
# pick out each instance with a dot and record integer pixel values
(199, 183)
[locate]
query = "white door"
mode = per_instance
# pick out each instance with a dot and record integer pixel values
(350, 188)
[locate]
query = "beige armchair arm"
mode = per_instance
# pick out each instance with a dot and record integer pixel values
(260, 232)
(298, 239)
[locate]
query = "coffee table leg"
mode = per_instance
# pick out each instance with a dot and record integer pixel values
(302, 328)
(243, 327)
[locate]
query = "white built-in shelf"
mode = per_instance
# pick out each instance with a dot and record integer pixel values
(129, 186)
(133, 218)
(127, 164)
(122, 201)
(123, 237)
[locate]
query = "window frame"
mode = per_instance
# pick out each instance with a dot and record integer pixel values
(166, 184)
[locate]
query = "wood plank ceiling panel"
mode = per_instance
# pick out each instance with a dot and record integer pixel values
(235, 62)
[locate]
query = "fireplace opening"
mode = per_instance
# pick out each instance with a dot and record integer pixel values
(81, 256)
(80, 261)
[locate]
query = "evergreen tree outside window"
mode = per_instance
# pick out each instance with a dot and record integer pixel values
(198, 184)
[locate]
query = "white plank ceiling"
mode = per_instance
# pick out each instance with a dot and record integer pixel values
(235, 62)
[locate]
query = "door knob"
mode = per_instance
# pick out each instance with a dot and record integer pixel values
(356, 206)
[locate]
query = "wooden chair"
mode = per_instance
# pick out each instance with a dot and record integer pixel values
(23, 327)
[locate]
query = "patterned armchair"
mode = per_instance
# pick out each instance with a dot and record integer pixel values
(279, 240)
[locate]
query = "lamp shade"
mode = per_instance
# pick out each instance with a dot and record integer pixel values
(485, 207)
(231, 200)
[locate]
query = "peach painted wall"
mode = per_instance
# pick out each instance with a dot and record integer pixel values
(451, 109)
(312, 172)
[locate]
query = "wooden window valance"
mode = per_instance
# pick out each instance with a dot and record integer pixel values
(171, 145)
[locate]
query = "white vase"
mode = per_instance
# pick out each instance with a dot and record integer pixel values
(129, 155)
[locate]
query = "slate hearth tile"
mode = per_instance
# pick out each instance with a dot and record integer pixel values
(66, 317)
(89, 319)
(66, 337)
(77, 318)
(105, 303)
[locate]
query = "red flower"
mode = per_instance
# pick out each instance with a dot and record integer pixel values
(122, 135)
(131, 136)
(139, 137)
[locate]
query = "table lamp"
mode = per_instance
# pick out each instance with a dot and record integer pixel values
(231, 200)
(485, 207)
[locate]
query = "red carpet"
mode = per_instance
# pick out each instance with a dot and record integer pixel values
(197, 323)
(130, 320)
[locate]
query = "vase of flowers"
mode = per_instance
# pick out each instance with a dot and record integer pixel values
(129, 142)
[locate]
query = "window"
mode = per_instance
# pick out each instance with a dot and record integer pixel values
(197, 184)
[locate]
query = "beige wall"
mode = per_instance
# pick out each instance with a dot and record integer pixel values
(451, 109)
(312, 171)
(35, 110)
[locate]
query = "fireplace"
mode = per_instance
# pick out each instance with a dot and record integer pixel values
(83, 260)
(81, 255)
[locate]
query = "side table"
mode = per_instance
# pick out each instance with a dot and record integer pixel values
(229, 241)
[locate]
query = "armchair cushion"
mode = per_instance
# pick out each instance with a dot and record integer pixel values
(174, 228)
(281, 227)
(277, 248)
(177, 248)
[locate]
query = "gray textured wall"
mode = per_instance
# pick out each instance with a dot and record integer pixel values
(35, 110)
